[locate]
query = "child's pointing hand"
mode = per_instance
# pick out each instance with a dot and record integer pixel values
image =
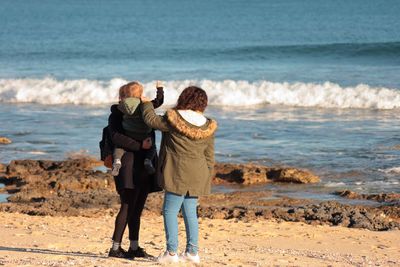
(159, 85)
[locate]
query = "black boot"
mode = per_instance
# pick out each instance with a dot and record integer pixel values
(138, 253)
(119, 253)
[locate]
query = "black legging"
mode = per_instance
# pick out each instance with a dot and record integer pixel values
(132, 204)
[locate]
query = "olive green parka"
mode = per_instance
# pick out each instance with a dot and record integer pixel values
(186, 159)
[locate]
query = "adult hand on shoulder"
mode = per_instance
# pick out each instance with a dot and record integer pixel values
(147, 143)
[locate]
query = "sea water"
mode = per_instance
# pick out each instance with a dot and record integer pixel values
(310, 84)
(3, 197)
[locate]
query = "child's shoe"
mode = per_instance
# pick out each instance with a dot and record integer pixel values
(168, 258)
(190, 258)
(148, 165)
(115, 168)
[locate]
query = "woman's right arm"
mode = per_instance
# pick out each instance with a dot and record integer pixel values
(120, 140)
(152, 119)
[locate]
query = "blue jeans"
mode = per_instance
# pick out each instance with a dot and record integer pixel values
(172, 204)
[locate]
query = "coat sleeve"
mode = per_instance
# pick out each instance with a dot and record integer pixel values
(117, 137)
(152, 119)
(209, 154)
(159, 100)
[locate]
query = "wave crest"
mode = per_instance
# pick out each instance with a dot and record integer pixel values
(386, 50)
(223, 93)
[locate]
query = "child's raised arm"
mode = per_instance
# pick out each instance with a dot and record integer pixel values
(159, 100)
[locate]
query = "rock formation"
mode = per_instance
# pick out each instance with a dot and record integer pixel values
(248, 174)
(5, 140)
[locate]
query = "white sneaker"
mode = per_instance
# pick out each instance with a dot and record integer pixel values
(168, 258)
(115, 167)
(191, 258)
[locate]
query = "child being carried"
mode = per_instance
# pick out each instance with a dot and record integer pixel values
(133, 123)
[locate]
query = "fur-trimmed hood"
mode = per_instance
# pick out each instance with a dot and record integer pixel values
(187, 129)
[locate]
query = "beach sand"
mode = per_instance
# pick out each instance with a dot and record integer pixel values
(81, 241)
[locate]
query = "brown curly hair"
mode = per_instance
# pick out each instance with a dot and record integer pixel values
(193, 98)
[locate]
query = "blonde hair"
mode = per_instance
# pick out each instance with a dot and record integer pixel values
(132, 89)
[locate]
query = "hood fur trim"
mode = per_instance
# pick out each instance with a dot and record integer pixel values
(190, 130)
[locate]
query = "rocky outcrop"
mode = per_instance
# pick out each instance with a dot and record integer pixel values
(5, 140)
(330, 213)
(52, 187)
(248, 174)
(334, 213)
(73, 187)
(49, 167)
(3, 168)
(292, 175)
(382, 197)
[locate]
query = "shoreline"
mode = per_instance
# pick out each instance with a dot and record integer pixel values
(76, 187)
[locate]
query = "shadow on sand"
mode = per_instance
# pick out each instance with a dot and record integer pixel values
(53, 252)
(66, 253)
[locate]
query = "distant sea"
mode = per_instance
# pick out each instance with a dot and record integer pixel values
(310, 84)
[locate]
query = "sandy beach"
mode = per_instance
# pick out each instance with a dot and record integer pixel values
(281, 116)
(62, 214)
(79, 241)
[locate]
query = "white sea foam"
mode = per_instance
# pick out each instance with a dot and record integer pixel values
(334, 184)
(223, 93)
(394, 170)
(37, 152)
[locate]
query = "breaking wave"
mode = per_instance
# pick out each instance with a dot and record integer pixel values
(223, 93)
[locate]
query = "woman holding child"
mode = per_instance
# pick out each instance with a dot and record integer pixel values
(185, 166)
(133, 174)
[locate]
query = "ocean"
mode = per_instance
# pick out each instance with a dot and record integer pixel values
(311, 84)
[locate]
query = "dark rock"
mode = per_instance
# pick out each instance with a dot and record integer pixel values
(383, 197)
(3, 168)
(5, 140)
(256, 174)
(38, 199)
(72, 188)
(58, 187)
(292, 175)
(337, 218)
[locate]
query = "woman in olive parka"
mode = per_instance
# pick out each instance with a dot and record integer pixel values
(185, 166)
